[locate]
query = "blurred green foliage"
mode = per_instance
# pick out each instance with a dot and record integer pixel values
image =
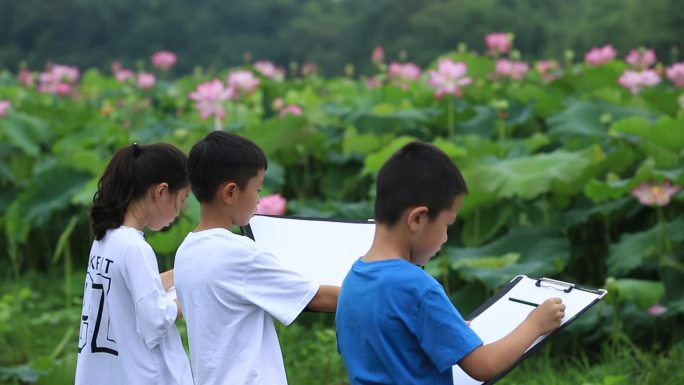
(550, 165)
(332, 33)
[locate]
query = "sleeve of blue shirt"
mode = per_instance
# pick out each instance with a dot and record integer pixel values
(441, 330)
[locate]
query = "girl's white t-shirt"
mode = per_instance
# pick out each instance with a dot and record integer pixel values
(128, 333)
(230, 291)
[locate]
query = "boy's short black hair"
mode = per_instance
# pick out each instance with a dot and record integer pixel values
(219, 157)
(418, 174)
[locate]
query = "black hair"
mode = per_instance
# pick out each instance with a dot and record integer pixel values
(418, 174)
(129, 175)
(219, 157)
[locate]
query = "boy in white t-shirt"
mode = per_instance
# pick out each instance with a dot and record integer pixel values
(228, 288)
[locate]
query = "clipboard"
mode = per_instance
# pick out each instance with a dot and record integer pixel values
(513, 303)
(324, 250)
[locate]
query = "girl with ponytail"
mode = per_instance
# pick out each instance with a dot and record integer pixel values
(128, 333)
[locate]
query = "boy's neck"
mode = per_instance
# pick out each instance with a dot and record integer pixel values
(388, 244)
(214, 217)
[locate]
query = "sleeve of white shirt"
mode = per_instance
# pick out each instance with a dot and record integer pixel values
(278, 290)
(155, 311)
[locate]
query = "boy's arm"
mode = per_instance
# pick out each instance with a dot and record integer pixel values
(486, 361)
(325, 299)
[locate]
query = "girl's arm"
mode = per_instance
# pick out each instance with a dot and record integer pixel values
(167, 279)
(167, 283)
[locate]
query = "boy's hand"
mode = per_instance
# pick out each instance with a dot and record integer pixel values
(547, 316)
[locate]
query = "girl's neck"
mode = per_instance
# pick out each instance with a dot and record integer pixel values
(135, 217)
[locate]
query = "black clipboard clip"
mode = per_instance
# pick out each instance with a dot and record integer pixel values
(566, 287)
(247, 232)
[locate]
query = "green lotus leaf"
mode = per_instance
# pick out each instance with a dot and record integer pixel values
(529, 177)
(662, 140)
(634, 248)
(599, 191)
(643, 293)
(532, 251)
(374, 161)
(25, 132)
(584, 118)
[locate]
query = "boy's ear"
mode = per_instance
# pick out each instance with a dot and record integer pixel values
(227, 192)
(416, 218)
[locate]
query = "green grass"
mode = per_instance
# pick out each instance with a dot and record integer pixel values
(618, 363)
(39, 333)
(311, 359)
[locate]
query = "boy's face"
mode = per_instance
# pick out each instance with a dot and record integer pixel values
(434, 234)
(247, 199)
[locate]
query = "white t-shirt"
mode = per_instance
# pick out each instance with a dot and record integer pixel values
(128, 333)
(230, 291)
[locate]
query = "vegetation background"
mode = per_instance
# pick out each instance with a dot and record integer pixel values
(552, 163)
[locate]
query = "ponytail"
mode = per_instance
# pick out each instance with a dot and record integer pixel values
(129, 175)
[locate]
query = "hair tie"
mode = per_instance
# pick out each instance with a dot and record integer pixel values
(136, 149)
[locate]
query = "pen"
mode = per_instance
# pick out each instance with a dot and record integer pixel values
(523, 302)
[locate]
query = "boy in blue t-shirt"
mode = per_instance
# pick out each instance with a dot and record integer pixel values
(395, 323)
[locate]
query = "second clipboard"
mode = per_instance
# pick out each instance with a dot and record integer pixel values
(509, 307)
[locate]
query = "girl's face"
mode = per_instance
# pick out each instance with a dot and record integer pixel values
(168, 206)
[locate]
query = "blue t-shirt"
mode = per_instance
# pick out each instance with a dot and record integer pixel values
(396, 325)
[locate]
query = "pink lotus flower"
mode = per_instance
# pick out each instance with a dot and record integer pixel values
(210, 97)
(546, 69)
(635, 81)
(291, 109)
(378, 55)
(402, 74)
(123, 74)
(269, 70)
(657, 310)
(373, 82)
(277, 104)
(449, 78)
(63, 89)
(243, 82)
(676, 74)
(4, 106)
(58, 79)
(641, 59)
(164, 60)
(650, 194)
(65, 73)
(599, 56)
(511, 69)
(273, 204)
(309, 69)
(498, 42)
(146, 80)
(25, 78)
